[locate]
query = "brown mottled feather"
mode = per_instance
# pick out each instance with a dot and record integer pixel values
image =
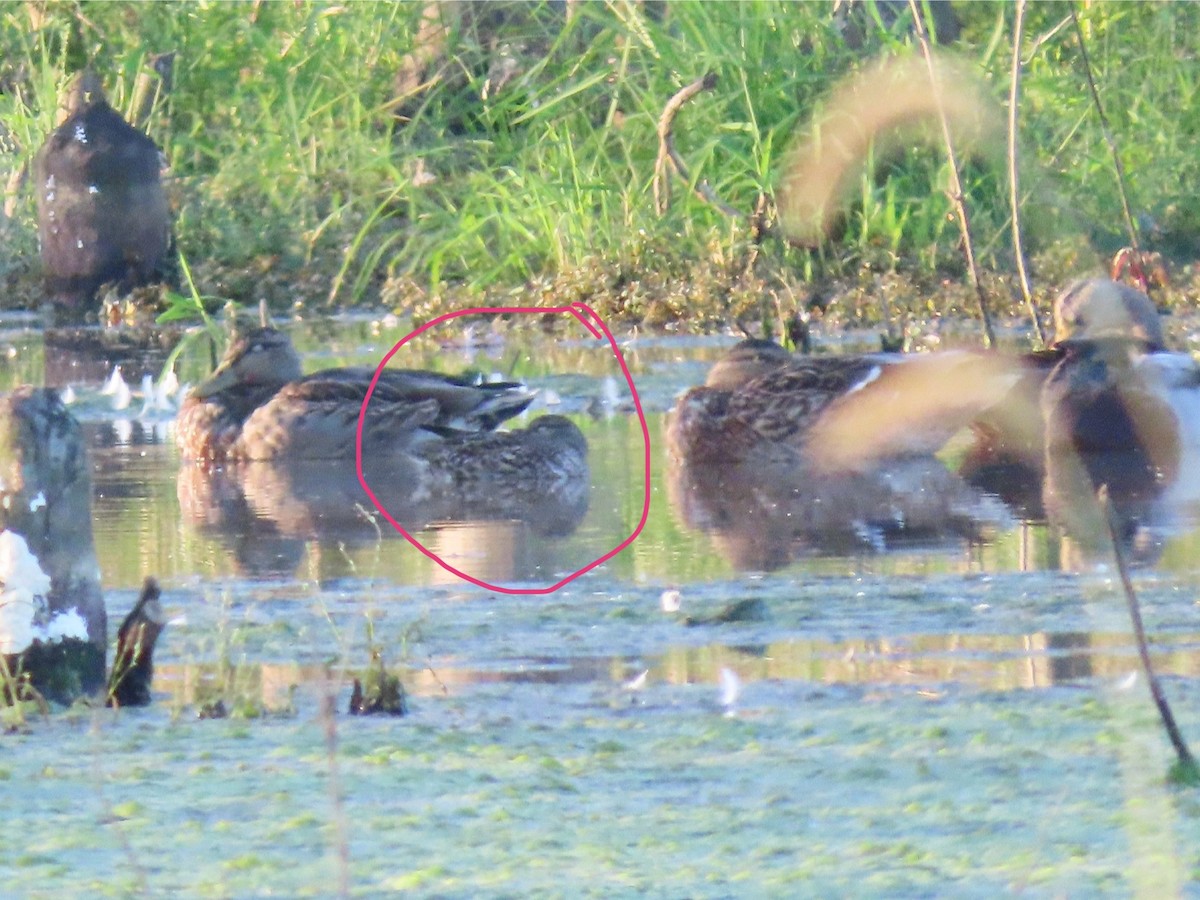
(256, 405)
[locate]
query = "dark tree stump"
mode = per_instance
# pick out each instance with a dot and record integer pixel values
(52, 618)
(103, 215)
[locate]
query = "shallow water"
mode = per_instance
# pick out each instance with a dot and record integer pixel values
(943, 714)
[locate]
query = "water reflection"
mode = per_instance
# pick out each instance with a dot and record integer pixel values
(930, 662)
(255, 525)
(263, 513)
(88, 354)
(765, 518)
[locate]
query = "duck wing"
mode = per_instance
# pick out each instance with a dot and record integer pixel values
(317, 418)
(765, 416)
(781, 405)
(463, 405)
(913, 406)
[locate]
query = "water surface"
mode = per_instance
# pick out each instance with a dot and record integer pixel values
(944, 713)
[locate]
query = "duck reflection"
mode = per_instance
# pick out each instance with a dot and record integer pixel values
(763, 518)
(266, 512)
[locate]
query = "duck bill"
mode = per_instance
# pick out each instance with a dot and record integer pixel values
(221, 379)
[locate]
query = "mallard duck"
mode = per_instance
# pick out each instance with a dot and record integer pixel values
(839, 412)
(103, 214)
(257, 405)
(1125, 406)
(1007, 453)
(551, 454)
(1120, 412)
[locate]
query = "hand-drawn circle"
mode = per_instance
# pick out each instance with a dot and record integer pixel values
(595, 325)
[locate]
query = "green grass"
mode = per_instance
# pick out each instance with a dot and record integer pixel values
(298, 174)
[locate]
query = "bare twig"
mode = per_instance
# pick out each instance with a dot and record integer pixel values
(1013, 175)
(1045, 38)
(1130, 225)
(668, 154)
(1186, 759)
(151, 88)
(957, 196)
(342, 843)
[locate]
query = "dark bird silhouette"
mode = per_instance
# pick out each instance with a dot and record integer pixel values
(102, 211)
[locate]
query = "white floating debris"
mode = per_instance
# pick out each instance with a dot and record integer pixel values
(117, 389)
(155, 398)
(25, 584)
(639, 682)
(610, 394)
(37, 502)
(1128, 682)
(731, 689)
(670, 601)
(67, 395)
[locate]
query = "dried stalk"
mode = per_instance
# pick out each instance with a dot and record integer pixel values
(668, 154)
(151, 88)
(956, 189)
(328, 715)
(1013, 175)
(1186, 760)
(1130, 225)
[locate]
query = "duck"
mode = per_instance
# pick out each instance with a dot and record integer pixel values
(1118, 400)
(761, 404)
(1007, 449)
(257, 405)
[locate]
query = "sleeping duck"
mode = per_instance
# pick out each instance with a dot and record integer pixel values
(257, 405)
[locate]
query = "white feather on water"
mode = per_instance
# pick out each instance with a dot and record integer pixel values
(116, 388)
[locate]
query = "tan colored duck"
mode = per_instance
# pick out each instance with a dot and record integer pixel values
(1125, 406)
(763, 404)
(258, 405)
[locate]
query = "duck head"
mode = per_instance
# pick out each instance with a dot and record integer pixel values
(262, 358)
(1100, 310)
(745, 362)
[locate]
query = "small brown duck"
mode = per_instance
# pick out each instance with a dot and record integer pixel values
(761, 403)
(1092, 317)
(550, 453)
(257, 405)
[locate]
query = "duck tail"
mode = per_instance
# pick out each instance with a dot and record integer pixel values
(504, 401)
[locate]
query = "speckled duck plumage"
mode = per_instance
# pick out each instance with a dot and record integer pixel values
(257, 405)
